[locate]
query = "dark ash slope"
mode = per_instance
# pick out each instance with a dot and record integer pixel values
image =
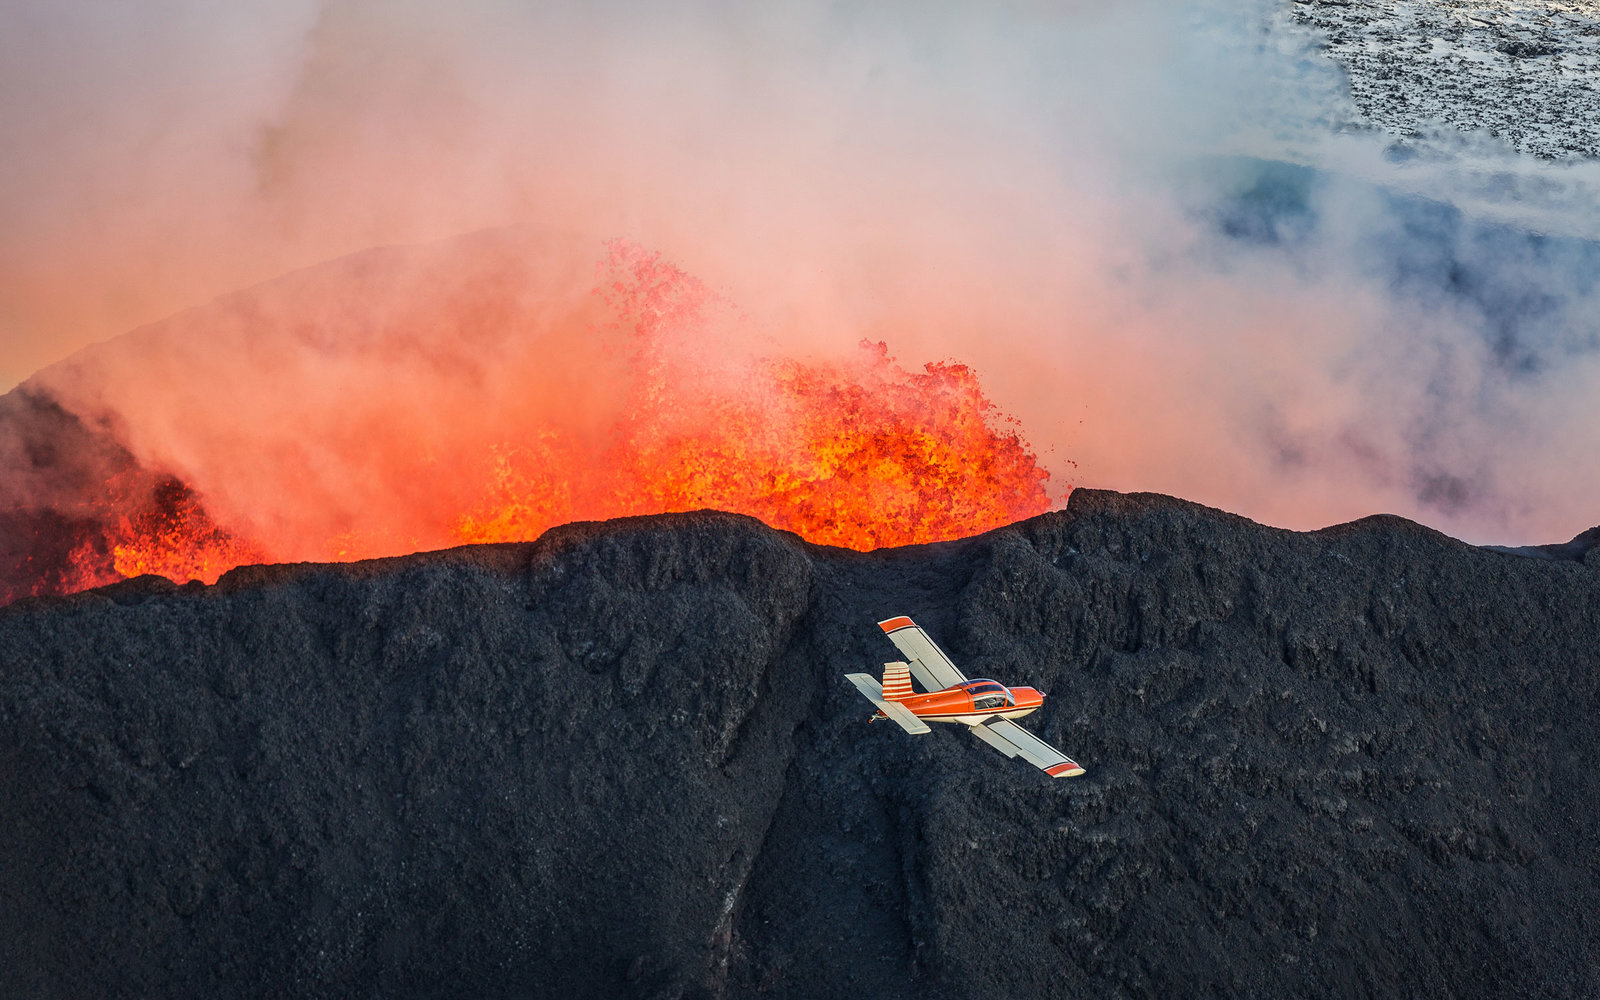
(622, 762)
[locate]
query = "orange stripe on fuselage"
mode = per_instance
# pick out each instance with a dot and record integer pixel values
(958, 702)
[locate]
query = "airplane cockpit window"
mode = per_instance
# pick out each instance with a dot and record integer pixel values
(989, 695)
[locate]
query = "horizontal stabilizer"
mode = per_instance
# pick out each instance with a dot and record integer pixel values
(869, 686)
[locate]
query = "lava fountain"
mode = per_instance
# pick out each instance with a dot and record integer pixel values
(401, 399)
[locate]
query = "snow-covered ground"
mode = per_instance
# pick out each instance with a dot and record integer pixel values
(1525, 71)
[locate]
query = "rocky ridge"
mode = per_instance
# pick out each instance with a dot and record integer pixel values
(622, 761)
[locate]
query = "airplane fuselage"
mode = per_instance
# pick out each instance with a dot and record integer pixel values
(974, 703)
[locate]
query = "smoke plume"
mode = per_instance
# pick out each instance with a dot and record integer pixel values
(1144, 228)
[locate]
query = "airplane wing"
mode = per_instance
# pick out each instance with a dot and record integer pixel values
(1012, 740)
(928, 661)
(869, 686)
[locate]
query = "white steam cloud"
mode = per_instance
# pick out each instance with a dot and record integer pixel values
(1144, 225)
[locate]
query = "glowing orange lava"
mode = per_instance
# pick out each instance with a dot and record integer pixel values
(859, 452)
(170, 536)
(863, 456)
(178, 541)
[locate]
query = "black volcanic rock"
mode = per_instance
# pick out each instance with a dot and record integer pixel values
(47, 453)
(623, 761)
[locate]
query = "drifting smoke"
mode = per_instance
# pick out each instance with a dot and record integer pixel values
(1140, 226)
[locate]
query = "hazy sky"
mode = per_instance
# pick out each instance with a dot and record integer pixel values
(1021, 186)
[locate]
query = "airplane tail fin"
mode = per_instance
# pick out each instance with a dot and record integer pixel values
(897, 681)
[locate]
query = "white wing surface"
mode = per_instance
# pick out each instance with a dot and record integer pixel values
(1004, 746)
(1012, 740)
(928, 661)
(869, 686)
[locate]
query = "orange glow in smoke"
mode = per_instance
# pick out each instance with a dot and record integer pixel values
(862, 454)
(859, 453)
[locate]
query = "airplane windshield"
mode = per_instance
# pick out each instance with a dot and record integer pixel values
(989, 695)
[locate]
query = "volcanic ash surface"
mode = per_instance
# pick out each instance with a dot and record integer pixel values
(1528, 73)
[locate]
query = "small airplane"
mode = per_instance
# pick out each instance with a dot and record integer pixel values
(987, 706)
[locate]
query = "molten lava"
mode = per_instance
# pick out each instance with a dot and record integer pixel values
(177, 540)
(861, 455)
(169, 534)
(858, 452)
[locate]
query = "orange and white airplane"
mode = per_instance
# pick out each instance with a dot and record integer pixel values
(987, 706)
